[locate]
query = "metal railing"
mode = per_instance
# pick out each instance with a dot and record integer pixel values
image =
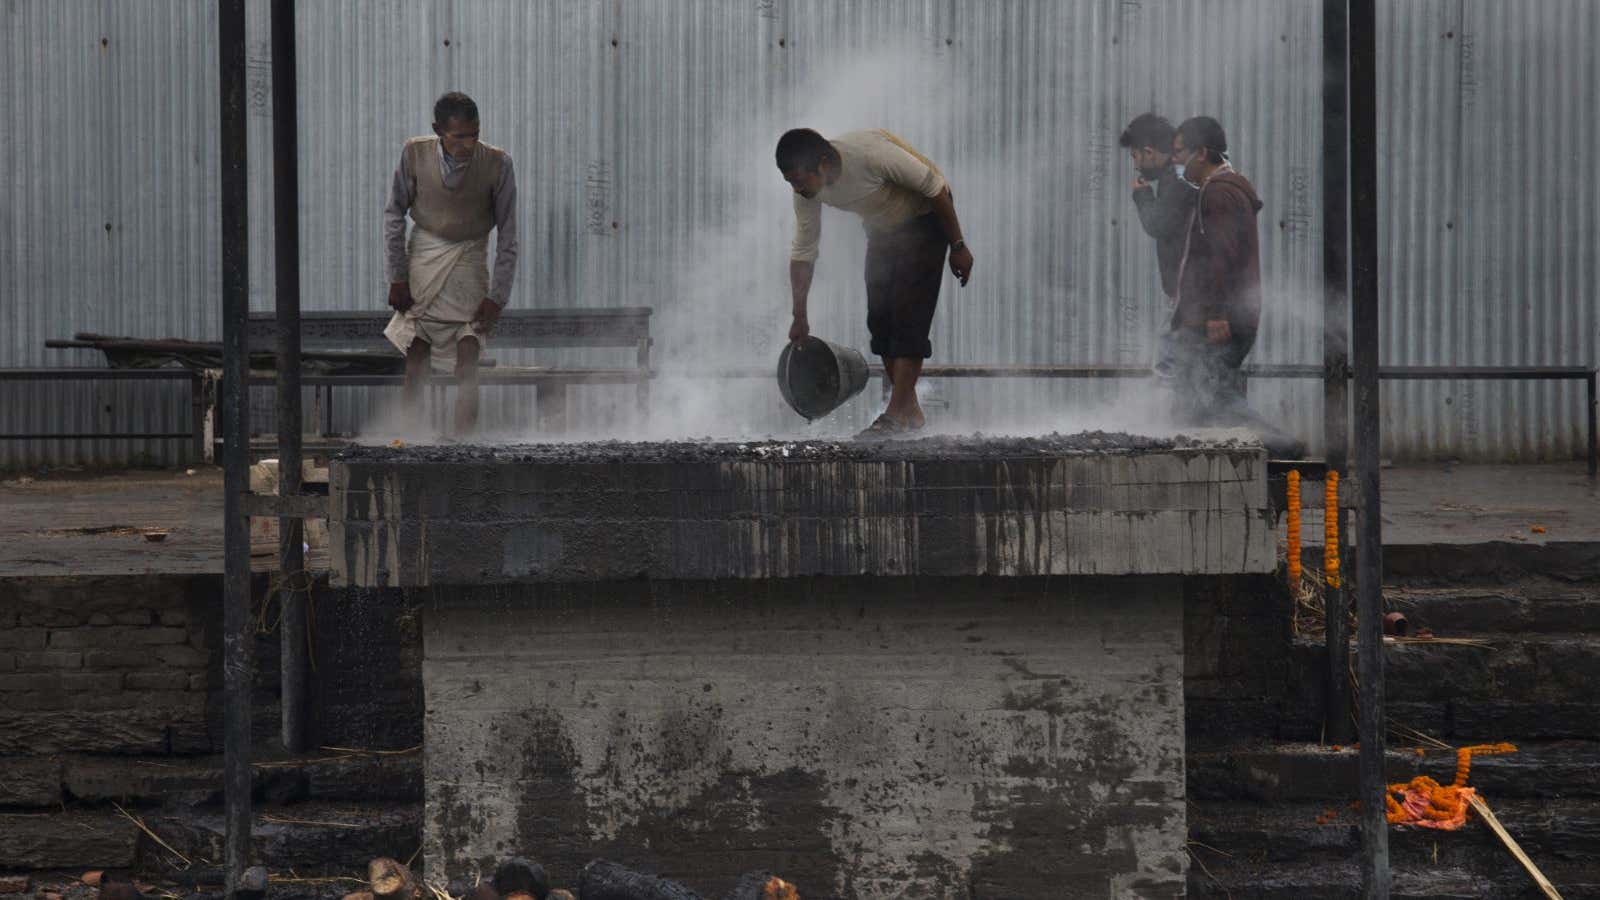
(196, 431)
(1387, 373)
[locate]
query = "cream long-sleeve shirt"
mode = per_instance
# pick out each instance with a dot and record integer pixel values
(881, 179)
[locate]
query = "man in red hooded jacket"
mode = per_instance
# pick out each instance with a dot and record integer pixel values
(1218, 297)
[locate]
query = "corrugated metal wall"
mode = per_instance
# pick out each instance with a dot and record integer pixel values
(642, 134)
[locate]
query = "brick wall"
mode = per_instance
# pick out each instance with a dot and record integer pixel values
(105, 665)
(1243, 677)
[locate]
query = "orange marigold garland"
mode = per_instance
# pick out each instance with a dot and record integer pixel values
(1330, 541)
(778, 889)
(1294, 529)
(1425, 803)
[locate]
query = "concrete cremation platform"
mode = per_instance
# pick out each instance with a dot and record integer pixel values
(933, 668)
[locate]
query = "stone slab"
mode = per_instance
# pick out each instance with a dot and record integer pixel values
(56, 840)
(1075, 505)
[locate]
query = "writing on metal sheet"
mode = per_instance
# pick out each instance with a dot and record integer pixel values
(258, 80)
(1471, 402)
(1130, 15)
(1101, 155)
(1297, 220)
(760, 328)
(767, 9)
(1130, 329)
(597, 199)
(1469, 70)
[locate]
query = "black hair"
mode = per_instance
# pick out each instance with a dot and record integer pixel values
(454, 105)
(1147, 130)
(802, 149)
(1204, 131)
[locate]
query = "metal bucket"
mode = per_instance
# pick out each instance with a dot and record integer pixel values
(817, 377)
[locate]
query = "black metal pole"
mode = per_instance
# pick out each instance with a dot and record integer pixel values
(294, 584)
(1337, 727)
(1336, 230)
(1369, 538)
(237, 667)
(1593, 452)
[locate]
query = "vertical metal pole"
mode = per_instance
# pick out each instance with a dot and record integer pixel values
(197, 417)
(1593, 453)
(236, 625)
(1369, 548)
(1337, 727)
(294, 653)
(1335, 338)
(1336, 230)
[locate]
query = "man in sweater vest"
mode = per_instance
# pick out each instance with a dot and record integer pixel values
(905, 205)
(457, 189)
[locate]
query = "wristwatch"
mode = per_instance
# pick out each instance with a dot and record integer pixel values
(959, 244)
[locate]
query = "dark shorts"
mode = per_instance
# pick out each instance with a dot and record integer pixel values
(904, 270)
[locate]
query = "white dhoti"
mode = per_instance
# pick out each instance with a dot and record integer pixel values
(449, 279)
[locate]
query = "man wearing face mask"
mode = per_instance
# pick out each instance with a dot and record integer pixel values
(1218, 297)
(457, 189)
(1164, 201)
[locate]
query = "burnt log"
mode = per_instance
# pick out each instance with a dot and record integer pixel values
(605, 880)
(521, 876)
(118, 886)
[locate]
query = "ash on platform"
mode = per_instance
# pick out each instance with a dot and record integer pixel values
(941, 447)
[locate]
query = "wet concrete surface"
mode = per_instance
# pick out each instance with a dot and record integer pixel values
(75, 524)
(1534, 504)
(93, 523)
(1542, 504)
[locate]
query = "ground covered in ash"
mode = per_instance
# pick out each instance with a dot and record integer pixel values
(976, 446)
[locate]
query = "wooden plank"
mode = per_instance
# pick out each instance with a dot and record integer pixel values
(299, 506)
(1489, 818)
(577, 327)
(491, 376)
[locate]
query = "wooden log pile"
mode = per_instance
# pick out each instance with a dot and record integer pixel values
(515, 879)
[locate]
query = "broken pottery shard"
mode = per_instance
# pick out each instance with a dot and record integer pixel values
(391, 880)
(605, 880)
(252, 884)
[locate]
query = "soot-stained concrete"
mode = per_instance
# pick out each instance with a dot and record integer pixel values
(942, 738)
(942, 668)
(1086, 504)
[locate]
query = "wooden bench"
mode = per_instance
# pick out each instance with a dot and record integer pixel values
(618, 327)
